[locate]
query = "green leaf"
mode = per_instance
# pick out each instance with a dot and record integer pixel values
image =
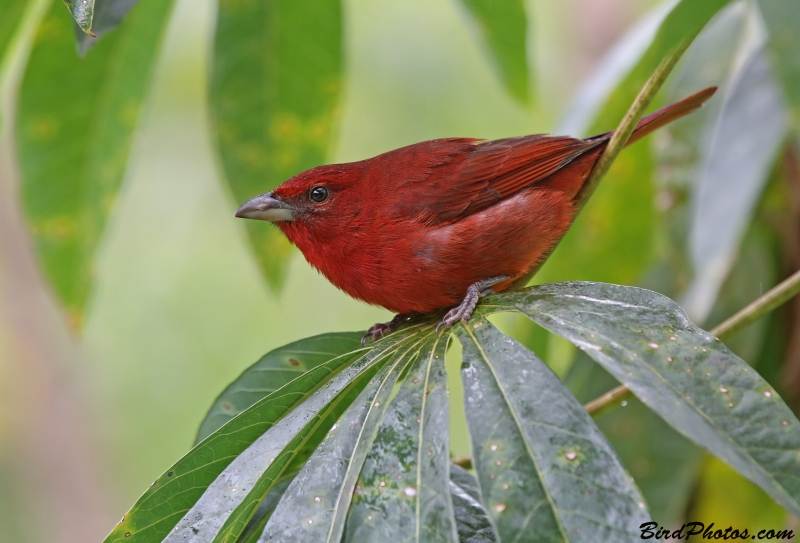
(473, 523)
(684, 374)
(734, 168)
(175, 493)
(545, 470)
(75, 125)
(83, 13)
(274, 370)
(108, 14)
(403, 491)
(783, 19)
(331, 473)
(275, 83)
(502, 26)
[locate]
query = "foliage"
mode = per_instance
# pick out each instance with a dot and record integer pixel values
(325, 440)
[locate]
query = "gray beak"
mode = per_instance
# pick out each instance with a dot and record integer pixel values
(266, 208)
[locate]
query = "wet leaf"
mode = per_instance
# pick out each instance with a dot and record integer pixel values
(684, 374)
(275, 84)
(75, 125)
(403, 491)
(503, 29)
(315, 506)
(783, 19)
(83, 13)
(546, 472)
(274, 370)
(187, 485)
(473, 523)
(733, 171)
(108, 14)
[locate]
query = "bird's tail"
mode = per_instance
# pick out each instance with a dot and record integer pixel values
(666, 115)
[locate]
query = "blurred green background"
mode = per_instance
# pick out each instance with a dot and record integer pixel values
(179, 307)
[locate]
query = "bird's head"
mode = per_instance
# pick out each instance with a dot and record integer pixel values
(313, 201)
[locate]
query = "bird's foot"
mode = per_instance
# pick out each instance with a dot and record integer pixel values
(378, 330)
(475, 292)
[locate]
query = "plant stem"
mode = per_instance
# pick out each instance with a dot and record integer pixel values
(757, 309)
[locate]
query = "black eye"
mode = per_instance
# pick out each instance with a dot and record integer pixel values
(318, 194)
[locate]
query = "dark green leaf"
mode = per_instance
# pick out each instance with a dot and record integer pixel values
(733, 170)
(546, 472)
(107, 15)
(503, 28)
(403, 491)
(74, 131)
(331, 473)
(783, 19)
(271, 372)
(473, 523)
(688, 377)
(172, 495)
(275, 84)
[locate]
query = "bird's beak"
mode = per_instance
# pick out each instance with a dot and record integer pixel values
(266, 208)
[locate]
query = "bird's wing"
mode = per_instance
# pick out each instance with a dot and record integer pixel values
(462, 176)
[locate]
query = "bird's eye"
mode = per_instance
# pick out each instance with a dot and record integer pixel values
(318, 194)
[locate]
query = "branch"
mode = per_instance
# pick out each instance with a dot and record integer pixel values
(757, 309)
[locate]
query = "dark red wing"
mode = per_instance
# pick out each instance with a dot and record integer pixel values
(461, 176)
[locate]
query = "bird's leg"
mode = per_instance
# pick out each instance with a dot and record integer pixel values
(378, 330)
(475, 292)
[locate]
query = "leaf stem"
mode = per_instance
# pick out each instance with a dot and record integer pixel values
(747, 316)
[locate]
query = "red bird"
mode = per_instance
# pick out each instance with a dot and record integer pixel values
(440, 223)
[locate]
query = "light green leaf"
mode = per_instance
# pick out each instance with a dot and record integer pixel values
(546, 472)
(76, 121)
(274, 370)
(683, 373)
(275, 82)
(502, 26)
(403, 491)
